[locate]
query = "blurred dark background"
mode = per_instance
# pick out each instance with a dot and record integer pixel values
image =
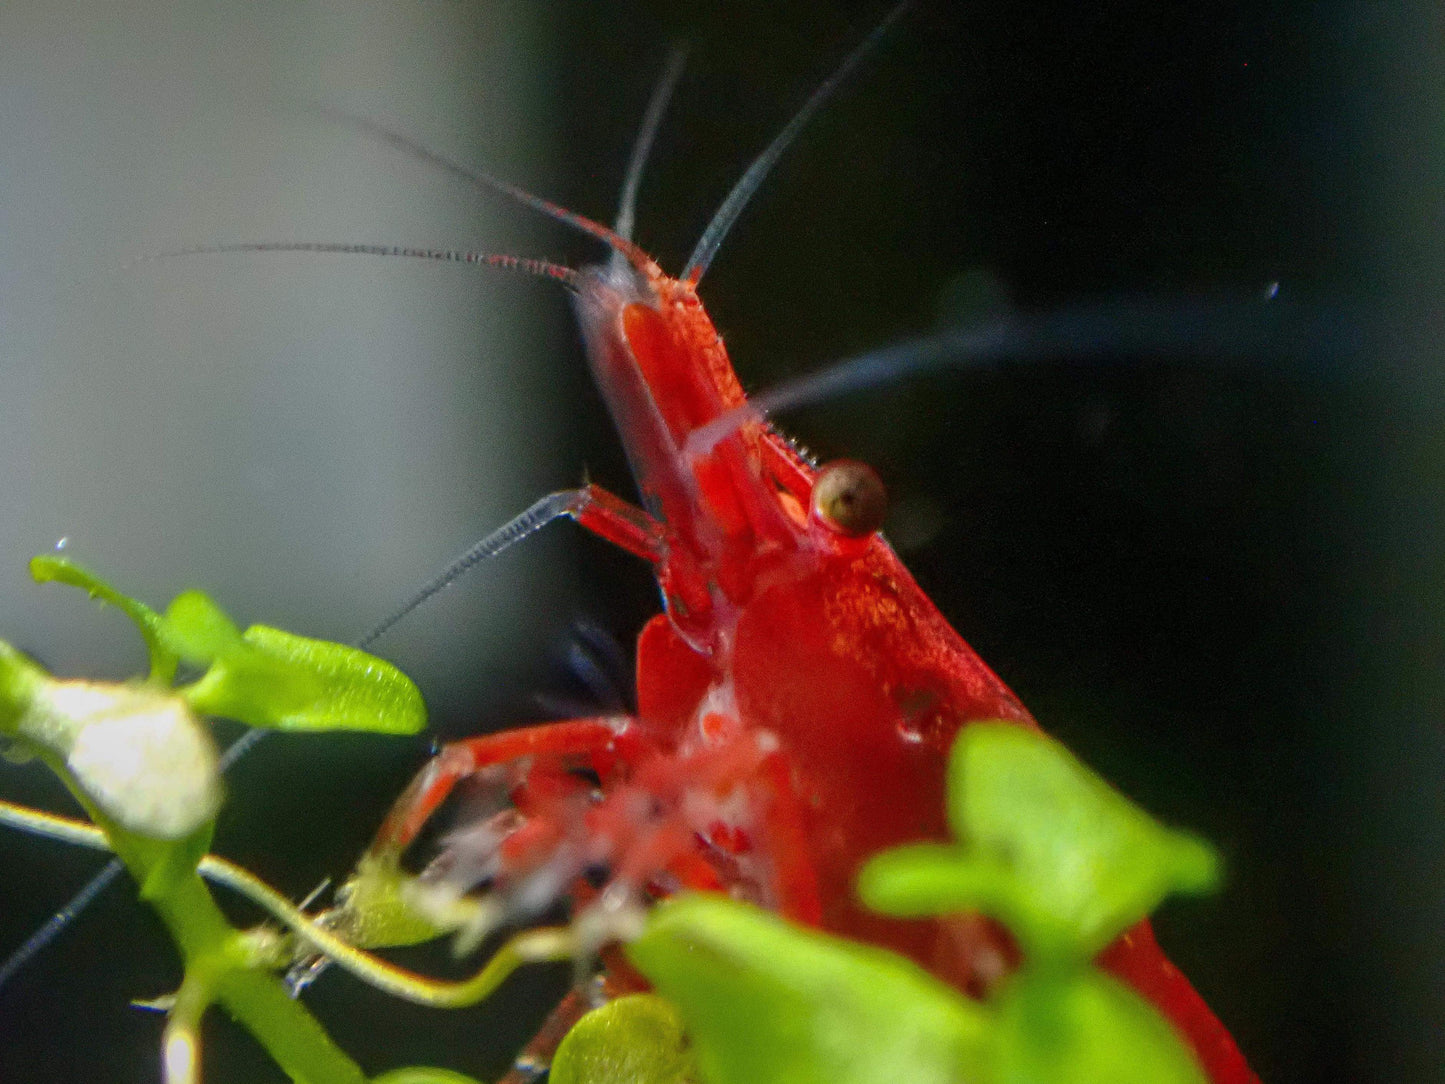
(1219, 583)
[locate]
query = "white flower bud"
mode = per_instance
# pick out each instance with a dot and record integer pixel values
(140, 754)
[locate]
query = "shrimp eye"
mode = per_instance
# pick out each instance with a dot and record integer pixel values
(848, 497)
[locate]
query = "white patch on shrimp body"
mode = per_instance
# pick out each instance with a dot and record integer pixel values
(715, 719)
(734, 810)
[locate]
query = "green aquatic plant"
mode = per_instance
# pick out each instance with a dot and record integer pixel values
(139, 760)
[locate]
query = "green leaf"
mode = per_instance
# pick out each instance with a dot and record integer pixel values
(423, 1074)
(273, 678)
(197, 629)
(634, 1040)
(766, 1001)
(1078, 1026)
(927, 879)
(51, 567)
(1045, 846)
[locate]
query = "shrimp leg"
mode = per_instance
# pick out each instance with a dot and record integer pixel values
(590, 741)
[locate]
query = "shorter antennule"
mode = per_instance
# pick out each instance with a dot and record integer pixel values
(752, 179)
(651, 122)
(1221, 330)
(538, 268)
(634, 255)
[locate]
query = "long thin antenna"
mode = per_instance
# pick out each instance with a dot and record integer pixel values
(502, 261)
(748, 184)
(646, 134)
(55, 925)
(1220, 329)
(475, 177)
(551, 507)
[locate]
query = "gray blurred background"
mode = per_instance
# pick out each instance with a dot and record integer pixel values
(1221, 585)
